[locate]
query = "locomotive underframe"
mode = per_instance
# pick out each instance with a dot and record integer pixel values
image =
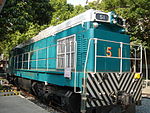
(112, 92)
(58, 96)
(65, 98)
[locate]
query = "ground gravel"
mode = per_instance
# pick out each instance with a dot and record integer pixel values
(145, 107)
(47, 108)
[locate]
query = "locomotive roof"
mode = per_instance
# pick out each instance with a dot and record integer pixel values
(52, 30)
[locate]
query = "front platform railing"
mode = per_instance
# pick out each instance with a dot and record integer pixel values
(133, 57)
(135, 50)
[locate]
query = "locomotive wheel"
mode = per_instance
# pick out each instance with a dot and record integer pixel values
(37, 89)
(130, 109)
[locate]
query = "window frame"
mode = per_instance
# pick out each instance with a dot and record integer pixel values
(65, 60)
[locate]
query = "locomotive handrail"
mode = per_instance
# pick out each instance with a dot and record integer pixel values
(86, 60)
(121, 46)
(75, 62)
(121, 57)
(28, 59)
(112, 41)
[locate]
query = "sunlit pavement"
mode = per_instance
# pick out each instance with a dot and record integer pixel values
(145, 107)
(17, 104)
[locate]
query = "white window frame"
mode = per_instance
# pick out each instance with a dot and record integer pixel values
(64, 53)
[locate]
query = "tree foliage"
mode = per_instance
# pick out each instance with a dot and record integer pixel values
(136, 13)
(20, 20)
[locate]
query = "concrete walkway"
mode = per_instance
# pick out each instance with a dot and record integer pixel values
(16, 104)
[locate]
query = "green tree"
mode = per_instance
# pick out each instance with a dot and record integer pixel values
(136, 13)
(20, 20)
(61, 11)
(17, 15)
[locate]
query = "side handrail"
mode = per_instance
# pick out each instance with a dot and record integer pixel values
(75, 68)
(86, 60)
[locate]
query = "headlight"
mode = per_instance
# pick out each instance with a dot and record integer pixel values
(95, 24)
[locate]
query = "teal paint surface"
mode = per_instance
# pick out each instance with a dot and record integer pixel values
(83, 35)
(52, 77)
(112, 64)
